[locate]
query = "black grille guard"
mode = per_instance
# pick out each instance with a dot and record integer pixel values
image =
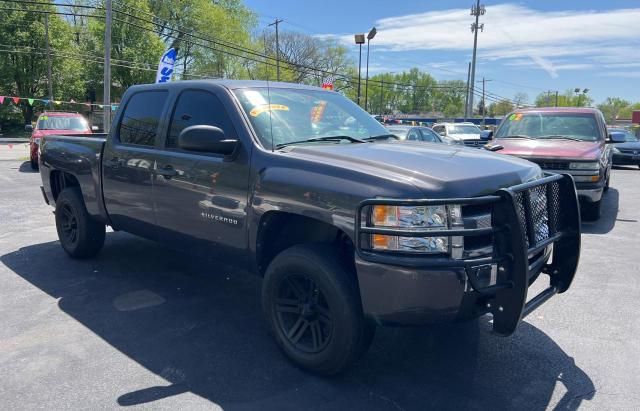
(516, 237)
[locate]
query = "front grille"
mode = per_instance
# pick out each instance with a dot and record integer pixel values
(474, 143)
(552, 165)
(629, 151)
(539, 212)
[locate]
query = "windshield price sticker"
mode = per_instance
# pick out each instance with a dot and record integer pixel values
(317, 112)
(267, 107)
(515, 117)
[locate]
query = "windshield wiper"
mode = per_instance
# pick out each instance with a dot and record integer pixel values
(326, 138)
(381, 137)
(561, 138)
(517, 136)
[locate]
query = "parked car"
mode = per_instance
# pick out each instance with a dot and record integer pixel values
(626, 150)
(467, 134)
(562, 140)
(300, 185)
(410, 133)
(55, 122)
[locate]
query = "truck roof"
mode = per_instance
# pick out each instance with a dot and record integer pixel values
(54, 113)
(557, 110)
(230, 84)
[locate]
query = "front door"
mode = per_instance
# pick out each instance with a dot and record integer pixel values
(200, 198)
(127, 164)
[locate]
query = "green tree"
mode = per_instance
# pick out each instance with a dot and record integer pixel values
(612, 107)
(626, 112)
(24, 69)
(568, 99)
(500, 108)
(135, 48)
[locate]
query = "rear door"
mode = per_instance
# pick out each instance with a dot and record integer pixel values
(201, 198)
(127, 164)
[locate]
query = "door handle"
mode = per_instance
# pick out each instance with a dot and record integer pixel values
(167, 172)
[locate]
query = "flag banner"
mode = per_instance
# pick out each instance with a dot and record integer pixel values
(165, 67)
(32, 100)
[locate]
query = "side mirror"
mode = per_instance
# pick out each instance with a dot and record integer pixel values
(28, 128)
(486, 135)
(206, 139)
(94, 128)
(616, 138)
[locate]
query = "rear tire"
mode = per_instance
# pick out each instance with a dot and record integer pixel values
(591, 211)
(81, 236)
(313, 308)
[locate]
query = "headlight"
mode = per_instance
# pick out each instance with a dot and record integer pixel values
(594, 165)
(615, 150)
(441, 217)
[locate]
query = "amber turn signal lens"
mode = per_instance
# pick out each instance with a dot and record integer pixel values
(380, 241)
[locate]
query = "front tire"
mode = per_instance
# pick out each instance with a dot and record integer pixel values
(312, 305)
(81, 236)
(591, 211)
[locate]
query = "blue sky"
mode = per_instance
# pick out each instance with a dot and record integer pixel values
(526, 46)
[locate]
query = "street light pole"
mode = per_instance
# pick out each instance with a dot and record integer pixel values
(359, 41)
(49, 78)
(370, 36)
(477, 11)
(106, 109)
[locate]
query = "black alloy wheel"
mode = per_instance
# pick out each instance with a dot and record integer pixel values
(68, 225)
(303, 314)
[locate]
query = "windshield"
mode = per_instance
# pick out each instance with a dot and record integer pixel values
(464, 129)
(298, 114)
(62, 123)
(579, 126)
(629, 137)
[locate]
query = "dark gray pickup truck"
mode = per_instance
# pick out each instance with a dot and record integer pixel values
(349, 227)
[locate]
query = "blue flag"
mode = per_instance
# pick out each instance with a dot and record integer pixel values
(165, 67)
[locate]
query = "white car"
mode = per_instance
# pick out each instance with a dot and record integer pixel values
(467, 134)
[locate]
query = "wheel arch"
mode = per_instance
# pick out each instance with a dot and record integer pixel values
(279, 230)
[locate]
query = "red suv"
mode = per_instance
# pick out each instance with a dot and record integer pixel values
(55, 122)
(562, 140)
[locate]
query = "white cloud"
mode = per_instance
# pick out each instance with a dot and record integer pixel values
(516, 32)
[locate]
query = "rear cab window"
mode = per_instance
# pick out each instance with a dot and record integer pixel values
(141, 118)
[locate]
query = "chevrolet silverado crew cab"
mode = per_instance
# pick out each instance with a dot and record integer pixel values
(562, 140)
(349, 228)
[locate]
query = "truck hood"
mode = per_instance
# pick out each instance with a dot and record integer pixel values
(438, 170)
(561, 149)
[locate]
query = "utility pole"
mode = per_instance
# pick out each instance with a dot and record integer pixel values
(466, 97)
(556, 98)
(107, 68)
(484, 101)
(277, 23)
(381, 92)
(477, 11)
(46, 41)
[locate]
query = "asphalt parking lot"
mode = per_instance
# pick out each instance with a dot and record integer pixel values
(144, 326)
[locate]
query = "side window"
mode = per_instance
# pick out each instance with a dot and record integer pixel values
(413, 135)
(195, 107)
(141, 117)
(428, 135)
